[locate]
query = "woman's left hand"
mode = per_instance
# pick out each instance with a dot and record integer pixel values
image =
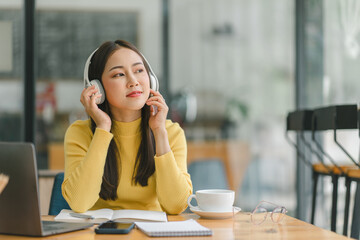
(158, 117)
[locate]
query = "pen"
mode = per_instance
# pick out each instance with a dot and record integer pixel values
(80, 215)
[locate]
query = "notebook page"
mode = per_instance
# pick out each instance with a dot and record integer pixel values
(139, 215)
(100, 215)
(176, 228)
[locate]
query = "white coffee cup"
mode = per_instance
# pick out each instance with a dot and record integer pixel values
(213, 200)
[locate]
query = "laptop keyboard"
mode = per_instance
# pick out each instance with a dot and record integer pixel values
(50, 226)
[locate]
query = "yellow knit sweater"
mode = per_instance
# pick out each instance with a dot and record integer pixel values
(85, 153)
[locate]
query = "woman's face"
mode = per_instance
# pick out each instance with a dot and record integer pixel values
(126, 81)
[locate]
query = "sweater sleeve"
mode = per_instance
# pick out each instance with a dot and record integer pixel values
(173, 183)
(85, 156)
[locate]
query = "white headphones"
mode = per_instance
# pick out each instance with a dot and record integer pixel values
(154, 82)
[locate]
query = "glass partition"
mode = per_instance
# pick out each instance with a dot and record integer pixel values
(11, 70)
(331, 57)
(235, 60)
(341, 85)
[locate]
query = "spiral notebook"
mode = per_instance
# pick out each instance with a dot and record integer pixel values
(173, 229)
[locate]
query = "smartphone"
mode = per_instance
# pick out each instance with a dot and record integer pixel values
(114, 228)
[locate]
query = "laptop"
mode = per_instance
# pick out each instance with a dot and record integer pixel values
(19, 201)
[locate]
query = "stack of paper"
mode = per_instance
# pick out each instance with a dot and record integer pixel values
(173, 229)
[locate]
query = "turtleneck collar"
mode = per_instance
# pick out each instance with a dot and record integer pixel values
(127, 128)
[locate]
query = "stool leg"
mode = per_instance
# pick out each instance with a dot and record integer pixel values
(315, 181)
(335, 181)
(347, 205)
(356, 214)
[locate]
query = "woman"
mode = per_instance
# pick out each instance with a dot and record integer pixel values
(127, 155)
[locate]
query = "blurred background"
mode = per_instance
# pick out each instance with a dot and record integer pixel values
(230, 71)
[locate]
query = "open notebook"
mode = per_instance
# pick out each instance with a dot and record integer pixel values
(173, 229)
(105, 214)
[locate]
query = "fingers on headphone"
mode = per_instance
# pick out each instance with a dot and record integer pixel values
(156, 94)
(89, 95)
(157, 99)
(158, 102)
(82, 96)
(94, 98)
(92, 90)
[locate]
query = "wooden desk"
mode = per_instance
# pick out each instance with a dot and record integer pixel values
(238, 227)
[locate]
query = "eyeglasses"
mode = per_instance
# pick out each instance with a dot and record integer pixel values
(260, 213)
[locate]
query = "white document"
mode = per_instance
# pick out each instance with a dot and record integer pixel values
(176, 228)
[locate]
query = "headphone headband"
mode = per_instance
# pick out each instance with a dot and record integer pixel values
(153, 79)
(154, 82)
(86, 69)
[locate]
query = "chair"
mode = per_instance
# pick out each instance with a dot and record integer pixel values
(209, 151)
(233, 155)
(57, 201)
(210, 165)
(301, 121)
(338, 117)
(334, 117)
(206, 174)
(353, 175)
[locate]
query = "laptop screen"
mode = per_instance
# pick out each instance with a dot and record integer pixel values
(19, 203)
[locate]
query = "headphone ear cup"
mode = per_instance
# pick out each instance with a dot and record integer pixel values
(100, 89)
(154, 85)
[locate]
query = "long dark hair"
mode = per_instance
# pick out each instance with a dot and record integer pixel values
(144, 164)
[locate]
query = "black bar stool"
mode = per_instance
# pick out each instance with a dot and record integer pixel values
(334, 118)
(321, 119)
(302, 121)
(353, 175)
(299, 121)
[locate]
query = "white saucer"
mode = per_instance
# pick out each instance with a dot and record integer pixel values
(215, 215)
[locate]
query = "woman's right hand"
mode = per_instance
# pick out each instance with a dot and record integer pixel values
(88, 100)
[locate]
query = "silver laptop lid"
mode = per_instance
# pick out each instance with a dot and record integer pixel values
(19, 202)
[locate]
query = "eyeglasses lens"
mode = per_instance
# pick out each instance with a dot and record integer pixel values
(278, 214)
(258, 215)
